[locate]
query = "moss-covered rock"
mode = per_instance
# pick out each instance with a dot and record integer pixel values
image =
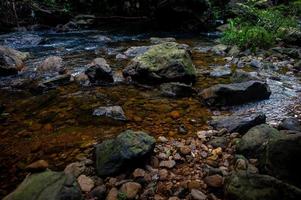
(244, 186)
(164, 62)
(128, 150)
(251, 142)
(279, 158)
(47, 185)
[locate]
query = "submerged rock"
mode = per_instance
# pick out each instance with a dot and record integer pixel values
(176, 90)
(136, 51)
(47, 185)
(23, 40)
(251, 142)
(128, 150)
(235, 93)
(99, 72)
(11, 61)
(239, 123)
(279, 158)
(222, 71)
(157, 40)
(244, 186)
(114, 112)
(57, 81)
(166, 62)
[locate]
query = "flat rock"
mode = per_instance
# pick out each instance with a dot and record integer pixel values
(113, 112)
(235, 93)
(238, 123)
(292, 124)
(176, 90)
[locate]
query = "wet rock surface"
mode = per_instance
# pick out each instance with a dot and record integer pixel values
(47, 185)
(239, 123)
(166, 62)
(235, 93)
(11, 61)
(189, 160)
(176, 90)
(114, 112)
(128, 149)
(99, 71)
(254, 186)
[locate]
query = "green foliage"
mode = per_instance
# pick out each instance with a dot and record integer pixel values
(258, 27)
(64, 5)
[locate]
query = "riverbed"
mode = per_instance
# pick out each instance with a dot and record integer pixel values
(57, 125)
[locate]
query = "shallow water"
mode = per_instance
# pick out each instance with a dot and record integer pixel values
(58, 125)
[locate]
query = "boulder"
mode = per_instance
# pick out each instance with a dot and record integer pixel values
(238, 123)
(244, 186)
(251, 142)
(166, 62)
(99, 72)
(235, 93)
(127, 151)
(176, 90)
(47, 185)
(51, 64)
(291, 123)
(11, 61)
(113, 112)
(279, 158)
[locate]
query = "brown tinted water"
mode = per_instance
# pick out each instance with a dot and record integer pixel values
(58, 125)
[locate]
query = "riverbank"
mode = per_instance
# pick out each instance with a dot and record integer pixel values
(49, 108)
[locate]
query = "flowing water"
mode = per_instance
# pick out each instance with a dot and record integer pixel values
(58, 125)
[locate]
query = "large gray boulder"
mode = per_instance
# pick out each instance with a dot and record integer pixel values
(280, 158)
(251, 142)
(244, 186)
(128, 150)
(166, 62)
(235, 93)
(47, 185)
(11, 61)
(239, 123)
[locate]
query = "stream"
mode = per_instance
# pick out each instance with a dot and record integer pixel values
(58, 126)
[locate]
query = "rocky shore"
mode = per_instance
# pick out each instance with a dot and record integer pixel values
(237, 156)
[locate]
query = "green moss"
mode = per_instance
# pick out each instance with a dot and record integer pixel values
(161, 55)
